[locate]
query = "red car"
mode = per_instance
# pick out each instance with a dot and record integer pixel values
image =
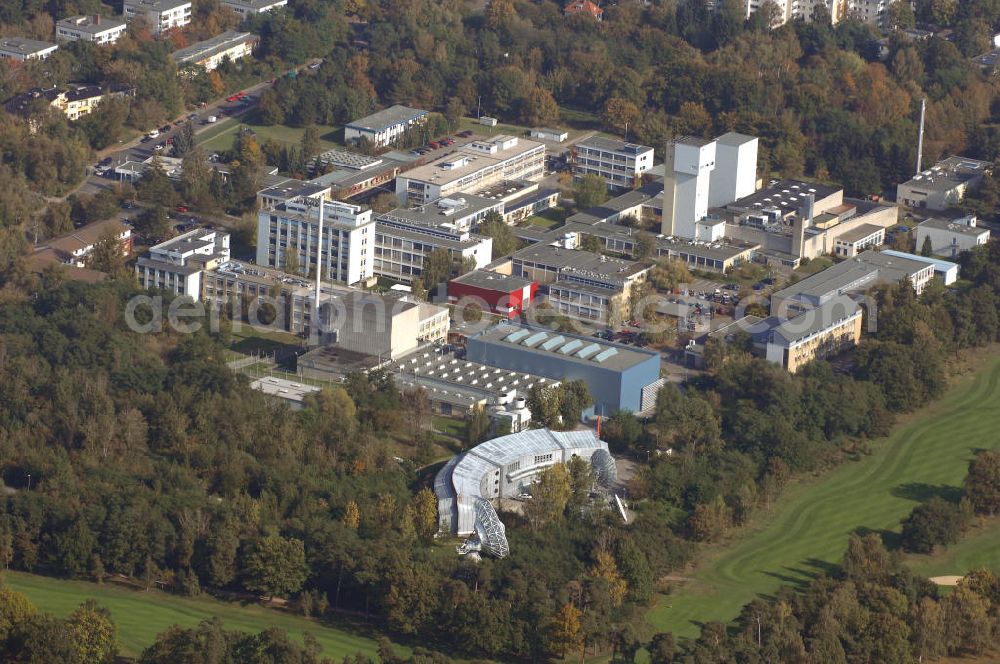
(181, 208)
(233, 98)
(434, 145)
(241, 95)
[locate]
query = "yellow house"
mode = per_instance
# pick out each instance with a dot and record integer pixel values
(815, 334)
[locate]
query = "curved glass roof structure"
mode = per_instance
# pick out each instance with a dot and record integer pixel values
(505, 467)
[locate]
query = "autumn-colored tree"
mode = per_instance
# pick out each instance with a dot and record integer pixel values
(550, 493)
(539, 107)
(93, 634)
(15, 610)
(606, 568)
(620, 114)
(425, 514)
(565, 634)
(107, 255)
(352, 515)
(498, 12)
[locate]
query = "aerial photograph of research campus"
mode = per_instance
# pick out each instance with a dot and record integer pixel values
(499, 331)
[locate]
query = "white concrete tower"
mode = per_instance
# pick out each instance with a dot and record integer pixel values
(735, 174)
(687, 175)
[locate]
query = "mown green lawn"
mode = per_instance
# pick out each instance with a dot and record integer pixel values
(807, 533)
(140, 616)
(220, 137)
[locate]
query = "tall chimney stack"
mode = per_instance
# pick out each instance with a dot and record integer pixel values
(920, 136)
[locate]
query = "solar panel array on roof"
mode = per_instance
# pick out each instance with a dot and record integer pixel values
(588, 351)
(570, 347)
(534, 339)
(605, 354)
(553, 342)
(514, 337)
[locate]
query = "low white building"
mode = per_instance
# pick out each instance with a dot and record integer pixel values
(949, 238)
(471, 168)
(178, 264)
(858, 239)
(161, 15)
(546, 134)
(385, 126)
(946, 270)
(96, 28)
(289, 230)
(251, 7)
(21, 49)
(621, 164)
(943, 185)
(209, 54)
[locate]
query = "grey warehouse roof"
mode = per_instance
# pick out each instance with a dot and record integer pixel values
(588, 351)
(488, 280)
(388, 117)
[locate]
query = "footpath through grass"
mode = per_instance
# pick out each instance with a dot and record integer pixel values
(140, 616)
(807, 532)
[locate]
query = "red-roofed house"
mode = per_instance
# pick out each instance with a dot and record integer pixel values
(584, 7)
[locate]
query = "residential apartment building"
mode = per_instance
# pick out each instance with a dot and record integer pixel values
(819, 333)
(73, 103)
(404, 238)
(621, 164)
(178, 265)
(209, 54)
(949, 238)
(584, 7)
(471, 168)
(161, 15)
(872, 12)
(799, 10)
(74, 249)
(96, 28)
(251, 7)
(288, 235)
(21, 49)
(943, 185)
(385, 126)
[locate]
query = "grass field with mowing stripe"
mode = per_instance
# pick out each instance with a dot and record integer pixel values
(807, 532)
(140, 616)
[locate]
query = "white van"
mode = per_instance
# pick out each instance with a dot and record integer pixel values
(154, 133)
(212, 119)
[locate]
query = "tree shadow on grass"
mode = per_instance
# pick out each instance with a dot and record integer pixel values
(891, 540)
(921, 492)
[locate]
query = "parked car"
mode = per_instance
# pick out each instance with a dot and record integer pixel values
(105, 162)
(212, 119)
(231, 99)
(182, 208)
(153, 134)
(193, 116)
(434, 145)
(158, 146)
(165, 127)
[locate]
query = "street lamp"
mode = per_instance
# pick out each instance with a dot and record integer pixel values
(29, 481)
